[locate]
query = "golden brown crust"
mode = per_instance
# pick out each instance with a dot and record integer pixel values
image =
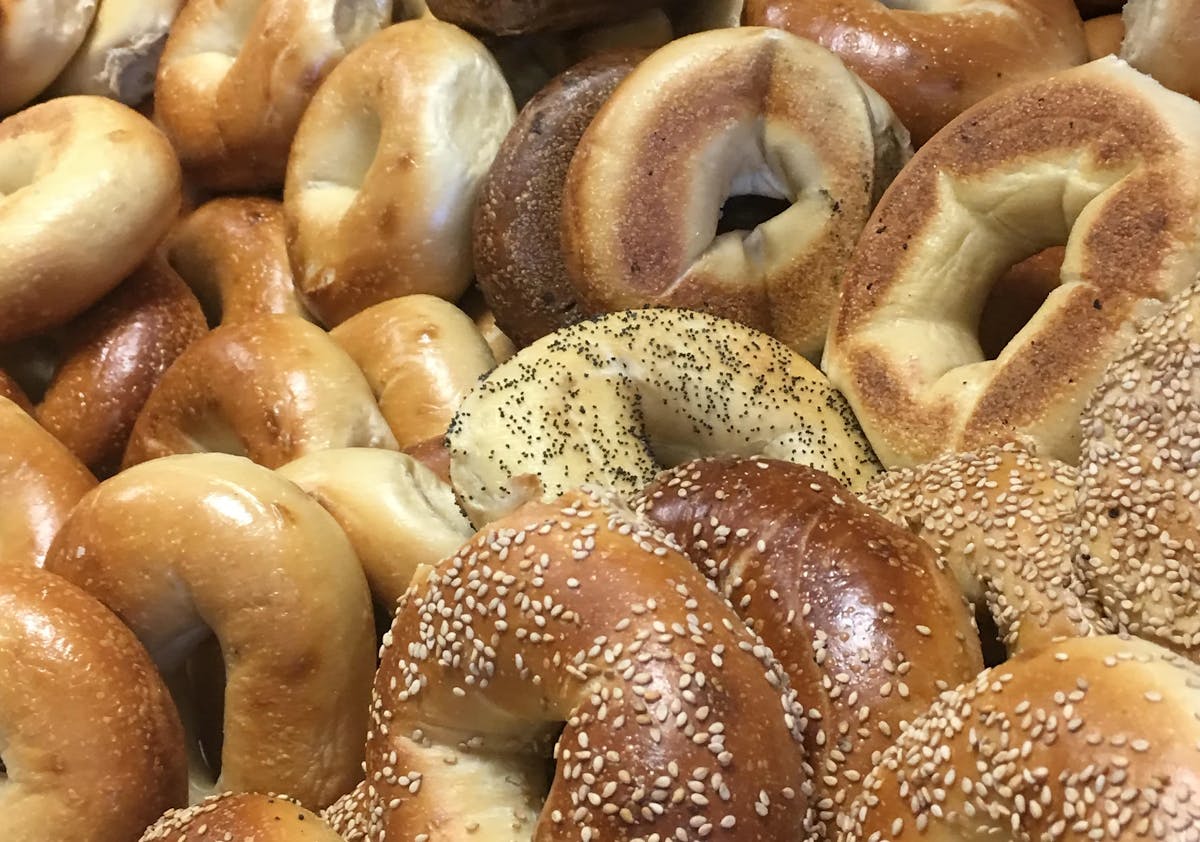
(11, 390)
(93, 749)
(1087, 739)
(272, 389)
(199, 545)
(1005, 522)
(587, 616)
(1003, 181)
(232, 252)
(864, 618)
(720, 114)
(231, 91)
(932, 61)
(519, 261)
(87, 188)
(1104, 35)
(244, 817)
(40, 482)
(513, 17)
(386, 165)
(434, 455)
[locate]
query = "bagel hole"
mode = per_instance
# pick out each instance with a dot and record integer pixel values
(1015, 297)
(990, 640)
(32, 363)
(747, 212)
(199, 687)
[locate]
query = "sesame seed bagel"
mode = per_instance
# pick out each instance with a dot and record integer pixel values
(387, 162)
(420, 355)
(247, 817)
(40, 482)
(98, 370)
(725, 113)
(1139, 498)
(584, 616)
(611, 401)
(397, 513)
(1097, 158)
(1162, 38)
(119, 56)
(93, 749)
(513, 17)
(1086, 740)
(233, 254)
(932, 59)
(519, 261)
(37, 39)
(235, 78)
(864, 618)
(87, 188)
(1004, 520)
(272, 389)
(210, 544)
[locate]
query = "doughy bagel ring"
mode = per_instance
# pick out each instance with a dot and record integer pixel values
(387, 162)
(731, 112)
(119, 56)
(229, 816)
(932, 59)
(1162, 38)
(1139, 499)
(237, 75)
(37, 39)
(209, 544)
(609, 401)
(40, 482)
(93, 751)
(233, 254)
(87, 188)
(272, 389)
(1099, 158)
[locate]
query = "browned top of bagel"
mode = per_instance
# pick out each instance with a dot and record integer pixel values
(512, 17)
(241, 816)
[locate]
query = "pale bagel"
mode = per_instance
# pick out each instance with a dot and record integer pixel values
(1162, 38)
(37, 39)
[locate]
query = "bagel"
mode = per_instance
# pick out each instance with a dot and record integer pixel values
(397, 514)
(210, 544)
(690, 16)
(93, 750)
(236, 77)
(846, 601)
(1139, 499)
(1087, 739)
(723, 114)
(933, 60)
(1107, 173)
(1163, 39)
(272, 389)
(233, 254)
(229, 816)
(513, 17)
(1104, 35)
(475, 306)
(608, 401)
(99, 369)
(40, 482)
(386, 166)
(519, 262)
(420, 355)
(87, 188)
(588, 617)
(37, 39)
(119, 56)
(11, 390)
(1005, 522)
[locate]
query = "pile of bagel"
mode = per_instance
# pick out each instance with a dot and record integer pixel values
(656, 421)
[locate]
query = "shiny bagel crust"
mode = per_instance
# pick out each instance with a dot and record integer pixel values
(242, 816)
(37, 39)
(514, 17)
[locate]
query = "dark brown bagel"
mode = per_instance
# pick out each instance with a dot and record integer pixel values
(514, 17)
(518, 248)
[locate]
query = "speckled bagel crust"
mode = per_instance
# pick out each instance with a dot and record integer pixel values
(1139, 496)
(243, 817)
(585, 616)
(11, 390)
(1162, 38)
(87, 188)
(93, 749)
(519, 262)
(932, 59)
(611, 401)
(1086, 740)
(1098, 158)
(37, 39)
(513, 17)
(1005, 521)
(865, 619)
(730, 112)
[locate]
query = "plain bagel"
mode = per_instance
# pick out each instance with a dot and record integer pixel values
(612, 400)
(37, 39)
(1162, 38)
(722, 114)
(87, 188)
(1099, 158)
